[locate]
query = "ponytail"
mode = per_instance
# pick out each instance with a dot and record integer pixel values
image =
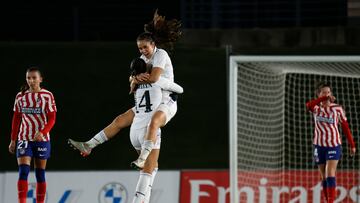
(163, 32)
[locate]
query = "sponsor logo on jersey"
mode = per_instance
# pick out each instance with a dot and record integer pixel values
(31, 110)
(325, 119)
(113, 192)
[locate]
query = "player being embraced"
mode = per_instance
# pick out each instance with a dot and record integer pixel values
(34, 117)
(327, 140)
(159, 32)
(148, 97)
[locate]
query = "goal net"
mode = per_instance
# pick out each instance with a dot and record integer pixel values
(271, 133)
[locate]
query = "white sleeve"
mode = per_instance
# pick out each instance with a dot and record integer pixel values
(159, 60)
(166, 84)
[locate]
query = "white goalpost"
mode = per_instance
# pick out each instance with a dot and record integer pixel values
(271, 133)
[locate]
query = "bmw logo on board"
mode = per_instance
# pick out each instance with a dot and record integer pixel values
(113, 193)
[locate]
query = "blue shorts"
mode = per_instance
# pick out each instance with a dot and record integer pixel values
(323, 154)
(40, 150)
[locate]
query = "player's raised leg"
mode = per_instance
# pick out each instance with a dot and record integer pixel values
(120, 122)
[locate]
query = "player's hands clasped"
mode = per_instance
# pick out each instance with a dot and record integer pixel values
(143, 77)
(38, 137)
(12, 146)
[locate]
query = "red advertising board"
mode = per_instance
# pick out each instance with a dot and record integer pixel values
(293, 186)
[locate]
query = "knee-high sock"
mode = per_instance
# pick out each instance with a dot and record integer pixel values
(331, 189)
(22, 184)
(40, 185)
(148, 194)
(146, 149)
(324, 189)
(99, 138)
(142, 187)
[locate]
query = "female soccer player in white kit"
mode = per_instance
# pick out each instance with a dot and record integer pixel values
(148, 98)
(158, 31)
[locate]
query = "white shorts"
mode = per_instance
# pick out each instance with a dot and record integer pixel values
(169, 108)
(137, 137)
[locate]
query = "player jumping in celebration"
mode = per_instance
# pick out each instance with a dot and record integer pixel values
(159, 32)
(327, 140)
(147, 99)
(34, 117)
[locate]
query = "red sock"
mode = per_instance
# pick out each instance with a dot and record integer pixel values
(324, 186)
(331, 194)
(325, 193)
(40, 192)
(22, 190)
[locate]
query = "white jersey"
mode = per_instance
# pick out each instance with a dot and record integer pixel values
(147, 99)
(161, 59)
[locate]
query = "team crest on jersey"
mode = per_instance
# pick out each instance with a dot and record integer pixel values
(113, 193)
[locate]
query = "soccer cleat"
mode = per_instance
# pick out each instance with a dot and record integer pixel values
(84, 149)
(138, 164)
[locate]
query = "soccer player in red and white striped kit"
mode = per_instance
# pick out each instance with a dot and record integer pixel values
(34, 117)
(327, 140)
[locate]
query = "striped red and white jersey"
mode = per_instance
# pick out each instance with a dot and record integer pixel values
(326, 120)
(33, 108)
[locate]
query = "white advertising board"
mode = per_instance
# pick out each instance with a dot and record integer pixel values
(96, 187)
(2, 187)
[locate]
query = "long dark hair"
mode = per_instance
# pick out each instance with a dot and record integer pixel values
(137, 66)
(25, 86)
(163, 32)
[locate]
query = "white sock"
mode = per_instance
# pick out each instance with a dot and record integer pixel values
(146, 149)
(148, 194)
(97, 139)
(142, 187)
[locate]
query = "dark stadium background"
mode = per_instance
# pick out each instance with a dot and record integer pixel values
(84, 50)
